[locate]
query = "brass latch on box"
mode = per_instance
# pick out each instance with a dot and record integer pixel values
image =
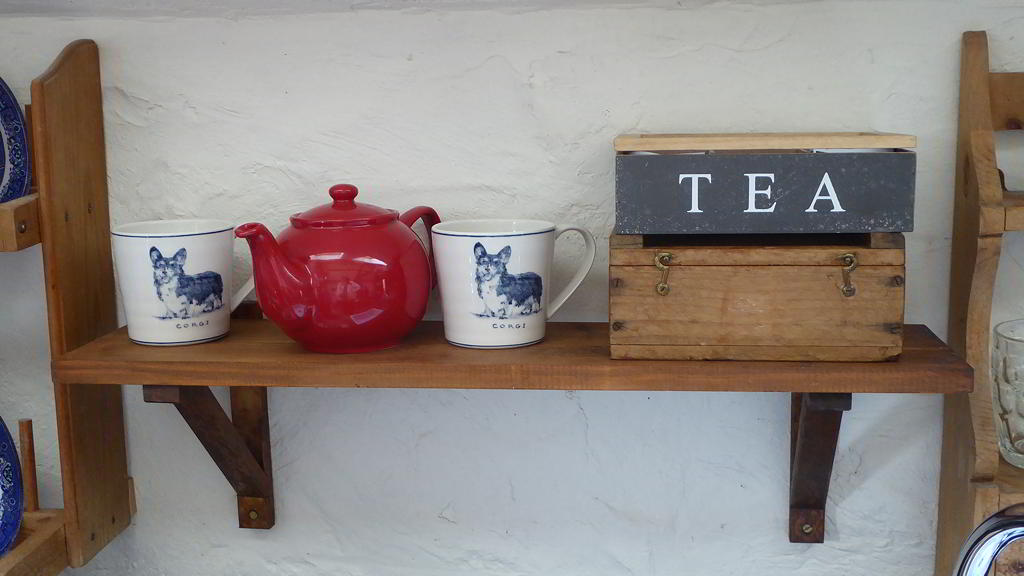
(661, 261)
(849, 265)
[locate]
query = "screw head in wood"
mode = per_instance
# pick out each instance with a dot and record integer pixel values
(22, 227)
(254, 515)
(807, 528)
(849, 291)
(897, 281)
(616, 326)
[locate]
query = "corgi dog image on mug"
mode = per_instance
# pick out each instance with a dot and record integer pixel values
(495, 279)
(505, 295)
(184, 296)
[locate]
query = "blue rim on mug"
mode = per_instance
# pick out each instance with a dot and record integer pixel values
(172, 228)
(499, 228)
(181, 342)
(493, 346)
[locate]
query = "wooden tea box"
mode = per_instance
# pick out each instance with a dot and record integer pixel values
(760, 246)
(838, 298)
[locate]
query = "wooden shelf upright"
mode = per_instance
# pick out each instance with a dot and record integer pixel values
(974, 481)
(67, 132)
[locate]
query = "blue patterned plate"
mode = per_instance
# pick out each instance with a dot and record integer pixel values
(11, 496)
(15, 160)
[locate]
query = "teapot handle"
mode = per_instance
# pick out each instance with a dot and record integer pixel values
(429, 217)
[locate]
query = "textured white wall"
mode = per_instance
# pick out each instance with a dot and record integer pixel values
(480, 112)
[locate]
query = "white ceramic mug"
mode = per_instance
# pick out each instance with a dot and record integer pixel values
(494, 278)
(173, 275)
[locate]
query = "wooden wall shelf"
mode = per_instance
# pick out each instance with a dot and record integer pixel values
(91, 358)
(574, 357)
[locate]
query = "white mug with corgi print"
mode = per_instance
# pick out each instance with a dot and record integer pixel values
(494, 277)
(175, 280)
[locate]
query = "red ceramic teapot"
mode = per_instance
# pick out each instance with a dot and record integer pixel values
(344, 277)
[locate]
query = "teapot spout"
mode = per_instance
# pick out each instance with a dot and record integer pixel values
(284, 287)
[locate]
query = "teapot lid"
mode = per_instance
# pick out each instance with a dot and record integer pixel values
(343, 212)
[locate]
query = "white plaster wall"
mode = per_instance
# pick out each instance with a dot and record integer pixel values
(478, 109)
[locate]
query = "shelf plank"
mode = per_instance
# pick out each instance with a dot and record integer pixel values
(40, 549)
(19, 223)
(761, 141)
(574, 357)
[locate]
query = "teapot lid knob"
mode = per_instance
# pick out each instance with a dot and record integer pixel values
(344, 193)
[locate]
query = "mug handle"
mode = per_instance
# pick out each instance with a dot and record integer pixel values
(581, 272)
(244, 291)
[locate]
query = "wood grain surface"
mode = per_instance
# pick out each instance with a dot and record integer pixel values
(761, 256)
(19, 223)
(574, 357)
(40, 549)
(755, 352)
(67, 130)
(773, 298)
(761, 141)
(1013, 206)
(975, 255)
(27, 455)
(756, 306)
(971, 483)
(815, 420)
(1007, 100)
(250, 416)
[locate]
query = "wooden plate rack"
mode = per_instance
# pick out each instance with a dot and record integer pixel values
(975, 482)
(92, 359)
(41, 546)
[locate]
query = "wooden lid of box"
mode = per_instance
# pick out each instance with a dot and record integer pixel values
(761, 141)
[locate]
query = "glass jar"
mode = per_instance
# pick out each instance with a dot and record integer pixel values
(1008, 389)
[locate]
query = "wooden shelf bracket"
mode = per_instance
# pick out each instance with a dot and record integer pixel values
(240, 445)
(814, 434)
